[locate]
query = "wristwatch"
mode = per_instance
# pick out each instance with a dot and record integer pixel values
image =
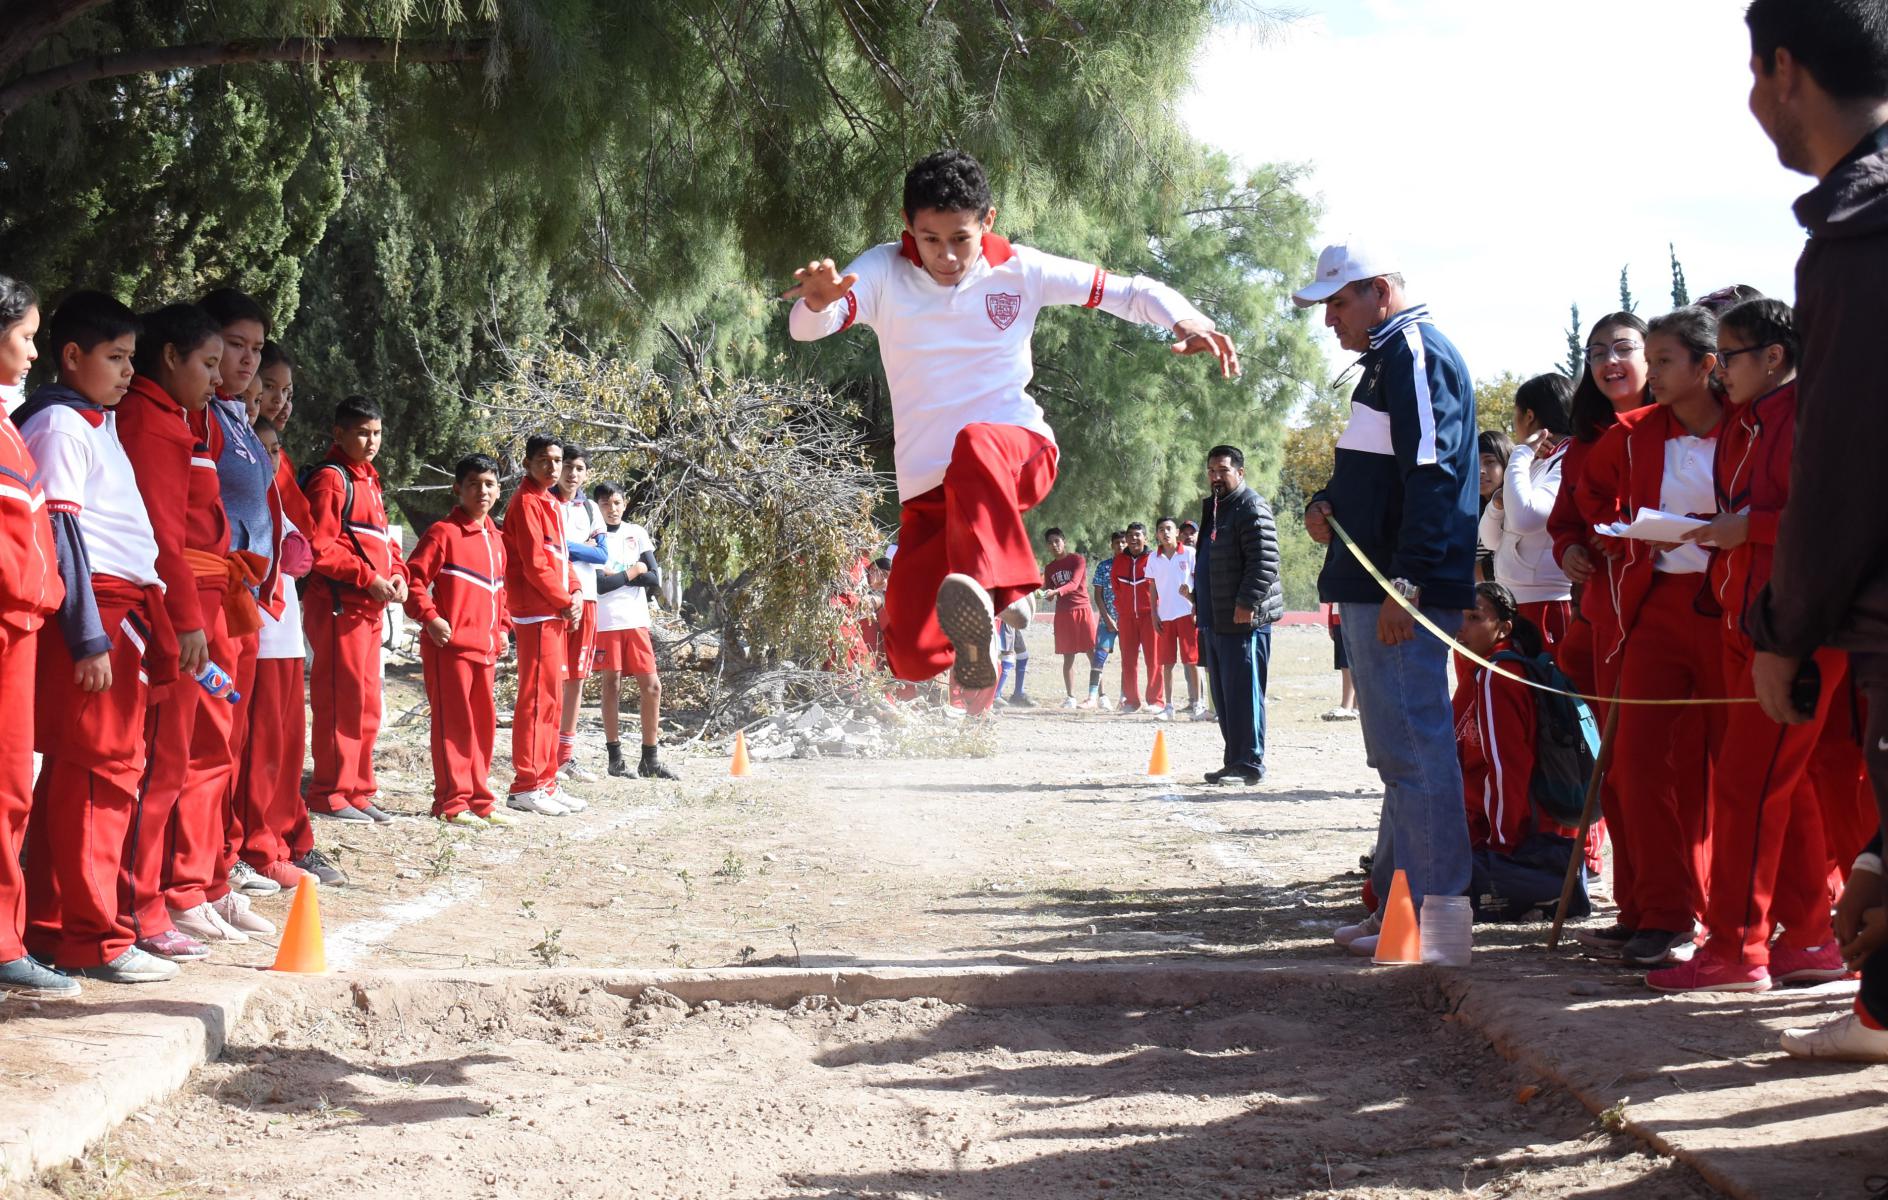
(1407, 590)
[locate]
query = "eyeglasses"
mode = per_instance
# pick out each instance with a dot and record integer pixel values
(1622, 350)
(1725, 356)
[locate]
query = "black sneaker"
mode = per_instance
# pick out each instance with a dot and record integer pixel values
(376, 814)
(326, 873)
(1652, 947)
(1216, 776)
(1234, 775)
(352, 816)
(1604, 943)
(655, 770)
(621, 769)
(28, 977)
(1021, 701)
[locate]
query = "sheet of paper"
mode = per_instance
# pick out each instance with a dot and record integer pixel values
(1651, 525)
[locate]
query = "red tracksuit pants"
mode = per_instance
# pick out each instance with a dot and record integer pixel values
(971, 524)
(18, 654)
(1554, 618)
(197, 870)
(344, 692)
(269, 786)
(542, 648)
(464, 730)
(1769, 860)
(169, 822)
(1573, 653)
(1840, 773)
(93, 745)
(1140, 643)
(1662, 758)
(235, 832)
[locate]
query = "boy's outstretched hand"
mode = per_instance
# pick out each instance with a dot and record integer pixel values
(820, 284)
(1199, 337)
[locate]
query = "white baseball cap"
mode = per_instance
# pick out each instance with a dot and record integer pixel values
(1340, 265)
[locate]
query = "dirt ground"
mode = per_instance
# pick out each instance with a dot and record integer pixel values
(1040, 839)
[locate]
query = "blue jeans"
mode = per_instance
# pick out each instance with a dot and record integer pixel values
(1241, 662)
(1409, 736)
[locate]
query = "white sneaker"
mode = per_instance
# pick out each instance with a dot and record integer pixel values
(233, 910)
(535, 802)
(1845, 1040)
(1365, 946)
(1071, 702)
(1347, 934)
(1203, 713)
(561, 795)
(1165, 714)
(1128, 710)
(1019, 614)
(575, 773)
(203, 924)
(247, 880)
(1105, 704)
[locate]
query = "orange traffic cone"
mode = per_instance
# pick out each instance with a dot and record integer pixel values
(739, 768)
(1158, 764)
(1400, 941)
(301, 951)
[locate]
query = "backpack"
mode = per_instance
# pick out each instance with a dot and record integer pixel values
(347, 513)
(1566, 742)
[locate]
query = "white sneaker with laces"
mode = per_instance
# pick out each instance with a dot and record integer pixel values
(575, 773)
(1071, 702)
(1365, 946)
(203, 924)
(1203, 713)
(1844, 1040)
(561, 795)
(233, 910)
(535, 802)
(1347, 934)
(1165, 714)
(247, 880)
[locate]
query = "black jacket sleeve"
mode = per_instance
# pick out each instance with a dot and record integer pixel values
(651, 578)
(78, 613)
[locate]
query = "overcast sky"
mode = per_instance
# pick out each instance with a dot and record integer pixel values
(1514, 153)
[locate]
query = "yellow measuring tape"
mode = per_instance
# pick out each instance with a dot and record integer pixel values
(1384, 583)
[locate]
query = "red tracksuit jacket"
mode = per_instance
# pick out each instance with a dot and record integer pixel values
(1133, 587)
(342, 570)
(1494, 738)
(30, 586)
(1752, 472)
(539, 581)
(457, 571)
(173, 459)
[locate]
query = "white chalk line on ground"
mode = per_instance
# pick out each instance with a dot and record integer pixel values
(1230, 855)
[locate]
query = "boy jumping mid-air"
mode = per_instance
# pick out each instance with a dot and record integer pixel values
(953, 306)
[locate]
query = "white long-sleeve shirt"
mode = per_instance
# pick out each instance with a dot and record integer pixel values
(960, 355)
(1524, 550)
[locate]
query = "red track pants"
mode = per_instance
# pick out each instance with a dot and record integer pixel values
(198, 869)
(93, 745)
(344, 689)
(971, 524)
(1840, 773)
(1573, 653)
(1769, 861)
(1661, 758)
(18, 654)
(1139, 643)
(269, 787)
(464, 730)
(1554, 618)
(542, 646)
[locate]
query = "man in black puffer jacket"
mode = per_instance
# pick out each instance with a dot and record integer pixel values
(1236, 582)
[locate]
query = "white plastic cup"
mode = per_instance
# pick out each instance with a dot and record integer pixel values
(1447, 927)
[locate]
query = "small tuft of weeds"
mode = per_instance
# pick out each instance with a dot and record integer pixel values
(1613, 1120)
(550, 949)
(732, 868)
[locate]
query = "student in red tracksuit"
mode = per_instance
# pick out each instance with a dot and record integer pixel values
(173, 446)
(456, 590)
(1066, 578)
(358, 572)
(543, 597)
(204, 867)
(1769, 858)
(1667, 642)
(109, 650)
(30, 589)
(1135, 606)
(1520, 855)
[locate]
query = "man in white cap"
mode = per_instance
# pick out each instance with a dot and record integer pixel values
(1404, 488)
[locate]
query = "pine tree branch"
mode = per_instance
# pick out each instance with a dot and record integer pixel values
(38, 20)
(161, 59)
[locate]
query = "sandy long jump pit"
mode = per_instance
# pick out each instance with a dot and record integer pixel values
(517, 1084)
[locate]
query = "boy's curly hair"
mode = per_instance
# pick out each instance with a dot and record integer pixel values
(950, 181)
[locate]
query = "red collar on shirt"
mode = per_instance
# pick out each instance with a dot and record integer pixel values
(996, 250)
(461, 517)
(359, 470)
(153, 391)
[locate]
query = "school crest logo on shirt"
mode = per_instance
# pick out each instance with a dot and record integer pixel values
(1003, 308)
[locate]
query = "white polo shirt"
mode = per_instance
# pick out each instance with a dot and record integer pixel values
(1169, 575)
(83, 471)
(626, 607)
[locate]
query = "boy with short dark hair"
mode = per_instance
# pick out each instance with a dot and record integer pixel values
(954, 306)
(358, 572)
(623, 646)
(110, 646)
(456, 590)
(583, 531)
(545, 602)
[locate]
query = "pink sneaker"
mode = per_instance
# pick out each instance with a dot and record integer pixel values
(174, 946)
(285, 874)
(1818, 964)
(1708, 973)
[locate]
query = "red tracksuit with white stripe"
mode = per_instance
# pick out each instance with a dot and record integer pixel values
(539, 587)
(1769, 860)
(1666, 646)
(1135, 608)
(269, 803)
(1495, 720)
(457, 572)
(30, 588)
(342, 622)
(175, 458)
